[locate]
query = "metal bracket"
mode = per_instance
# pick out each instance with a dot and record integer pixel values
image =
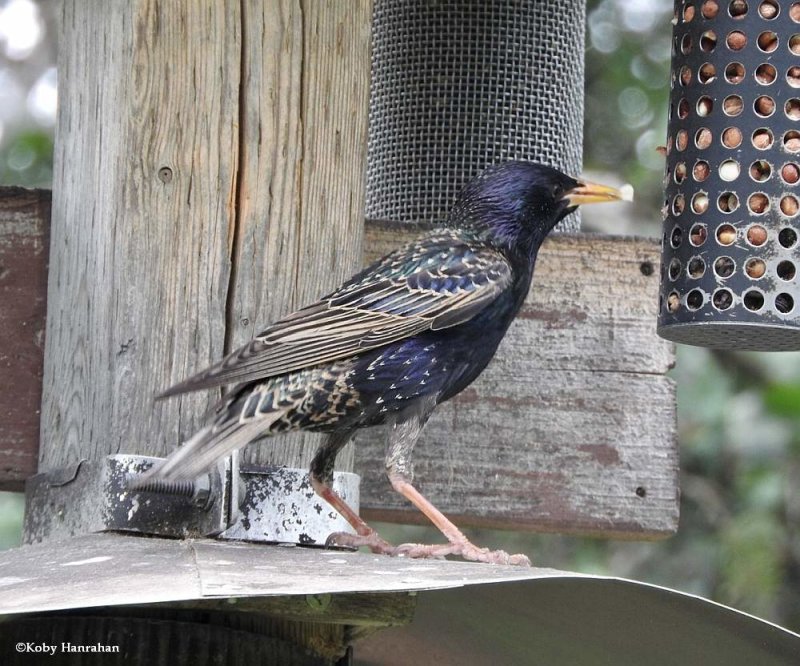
(270, 504)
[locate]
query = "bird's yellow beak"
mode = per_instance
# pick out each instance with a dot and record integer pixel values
(586, 193)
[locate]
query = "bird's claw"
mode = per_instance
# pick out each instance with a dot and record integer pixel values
(355, 541)
(465, 550)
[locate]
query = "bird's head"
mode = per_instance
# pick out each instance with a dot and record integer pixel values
(515, 205)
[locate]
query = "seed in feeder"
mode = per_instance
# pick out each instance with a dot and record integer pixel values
(682, 140)
(758, 203)
(708, 41)
(700, 171)
(760, 170)
(704, 106)
(735, 41)
(685, 76)
(764, 106)
(732, 137)
(737, 9)
(674, 269)
(726, 234)
(757, 235)
(789, 205)
(724, 267)
(786, 270)
(700, 203)
(696, 267)
(762, 138)
(792, 108)
(794, 44)
(734, 72)
(680, 172)
(710, 9)
(755, 268)
(768, 9)
(787, 237)
(727, 202)
(695, 299)
(766, 74)
(707, 73)
(732, 105)
(673, 301)
(686, 44)
(683, 108)
(753, 300)
(793, 76)
(722, 299)
(794, 12)
(676, 237)
(729, 170)
(784, 303)
(702, 139)
(678, 204)
(791, 141)
(688, 14)
(768, 41)
(698, 235)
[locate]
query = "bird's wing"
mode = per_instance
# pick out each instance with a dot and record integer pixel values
(437, 282)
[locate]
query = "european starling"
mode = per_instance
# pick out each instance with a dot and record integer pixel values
(403, 335)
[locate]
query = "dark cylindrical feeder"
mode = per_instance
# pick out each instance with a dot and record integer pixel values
(460, 84)
(732, 205)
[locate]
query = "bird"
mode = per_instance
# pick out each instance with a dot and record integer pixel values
(400, 337)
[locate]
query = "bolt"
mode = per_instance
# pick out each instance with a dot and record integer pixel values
(199, 491)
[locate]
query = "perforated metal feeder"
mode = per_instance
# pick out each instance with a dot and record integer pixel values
(730, 245)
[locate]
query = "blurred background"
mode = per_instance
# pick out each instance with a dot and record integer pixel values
(739, 426)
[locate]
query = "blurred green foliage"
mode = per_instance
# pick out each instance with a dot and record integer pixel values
(27, 159)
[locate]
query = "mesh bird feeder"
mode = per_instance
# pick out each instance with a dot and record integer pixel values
(731, 209)
(460, 84)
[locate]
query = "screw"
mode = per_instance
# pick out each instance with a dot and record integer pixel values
(198, 491)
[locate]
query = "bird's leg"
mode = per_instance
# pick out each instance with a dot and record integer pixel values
(399, 470)
(321, 475)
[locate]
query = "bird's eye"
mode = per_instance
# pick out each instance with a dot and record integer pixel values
(557, 192)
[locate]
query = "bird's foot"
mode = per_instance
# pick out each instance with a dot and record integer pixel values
(465, 550)
(372, 541)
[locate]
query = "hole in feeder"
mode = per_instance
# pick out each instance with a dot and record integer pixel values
(686, 44)
(688, 13)
(694, 299)
(792, 108)
(700, 203)
(702, 138)
(794, 12)
(786, 270)
(683, 109)
(708, 41)
(793, 77)
(768, 9)
(789, 205)
(704, 106)
(737, 9)
(674, 269)
(729, 170)
(764, 106)
(673, 301)
(682, 140)
(753, 300)
(760, 170)
(727, 202)
(787, 237)
(735, 41)
(726, 234)
(696, 267)
(794, 44)
(758, 203)
(724, 267)
(757, 235)
(700, 171)
(722, 299)
(732, 137)
(678, 204)
(767, 41)
(676, 237)
(734, 72)
(680, 172)
(698, 235)
(784, 303)
(791, 141)
(710, 9)
(766, 74)
(762, 138)
(755, 268)
(707, 73)
(685, 76)
(732, 105)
